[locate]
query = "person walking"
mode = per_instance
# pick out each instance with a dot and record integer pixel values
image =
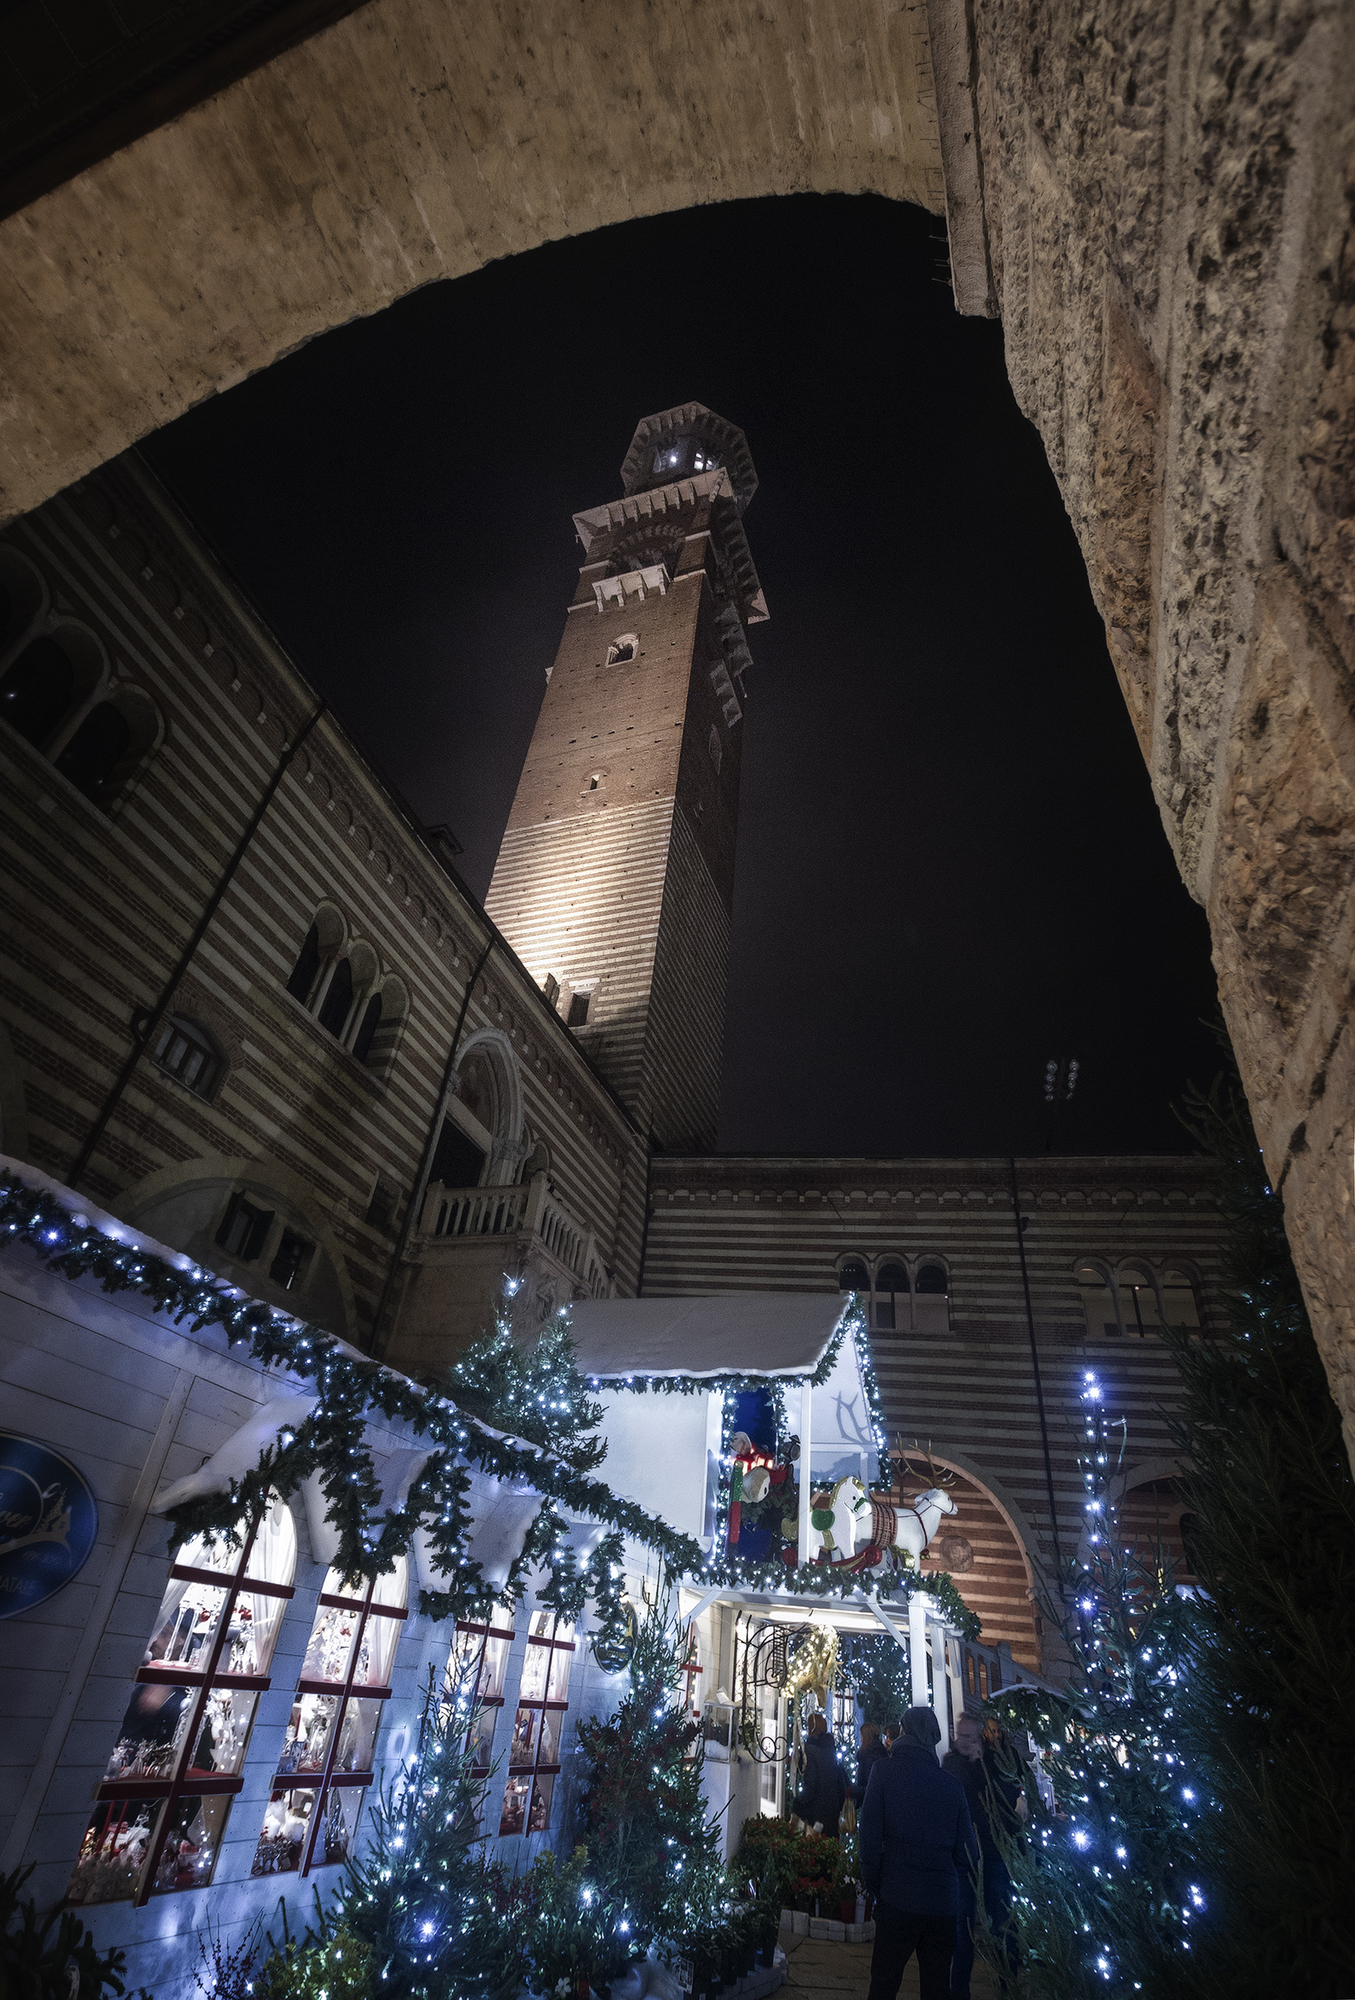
(981, 1761)
(823, 1789)
(916, 1836)
(892, 1730)
(873, 1752)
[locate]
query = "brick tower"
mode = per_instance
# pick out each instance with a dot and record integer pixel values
(614, 883)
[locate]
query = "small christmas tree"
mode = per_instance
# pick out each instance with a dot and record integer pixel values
(419, 1894)
(533, 1390)
(653, 1857)
(1109, 1886)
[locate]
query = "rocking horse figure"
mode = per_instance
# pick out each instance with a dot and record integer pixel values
(856, 1529)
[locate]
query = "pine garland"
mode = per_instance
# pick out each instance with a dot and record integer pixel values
(332, 1440)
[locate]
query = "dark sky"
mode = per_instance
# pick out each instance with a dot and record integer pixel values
(951, 867)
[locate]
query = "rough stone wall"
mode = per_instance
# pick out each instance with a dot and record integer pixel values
(411, 142)
(1166, 197)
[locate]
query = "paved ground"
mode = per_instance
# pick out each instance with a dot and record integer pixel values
(820, 1971)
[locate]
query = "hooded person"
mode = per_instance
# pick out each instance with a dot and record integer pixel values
(823, 1792)
(916, 1838)
(982, 1762)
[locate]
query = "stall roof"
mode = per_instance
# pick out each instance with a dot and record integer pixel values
(746, 1333)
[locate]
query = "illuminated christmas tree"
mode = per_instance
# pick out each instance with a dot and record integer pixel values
(1111, 1889)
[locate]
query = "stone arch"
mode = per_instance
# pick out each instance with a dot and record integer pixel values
(183, 1205)
(488, 1058)
(1001, 1581)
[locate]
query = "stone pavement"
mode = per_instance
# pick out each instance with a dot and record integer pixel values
(818, 1970)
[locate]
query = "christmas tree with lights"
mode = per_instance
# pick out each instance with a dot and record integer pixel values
(653, 1857)
(419, 1896)
(1111, 1890)
(532, 1389)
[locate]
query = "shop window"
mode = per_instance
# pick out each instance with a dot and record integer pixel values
(476, 1675)
(162, 1805)
(534, 1750)
(184, 1049)
(327, 1759)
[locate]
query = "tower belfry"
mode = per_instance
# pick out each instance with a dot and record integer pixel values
(615, 880)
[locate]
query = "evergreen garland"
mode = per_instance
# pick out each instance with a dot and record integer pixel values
(1273, 1543)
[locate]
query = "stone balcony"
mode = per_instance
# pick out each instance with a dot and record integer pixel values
(472, 1250)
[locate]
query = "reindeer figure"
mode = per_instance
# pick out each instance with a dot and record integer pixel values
(856, 1528)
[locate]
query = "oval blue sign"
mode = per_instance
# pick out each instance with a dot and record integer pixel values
(48, 1522)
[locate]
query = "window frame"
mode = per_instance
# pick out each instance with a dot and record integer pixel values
(328, 1779)
(530, 1773)
(203, 1681)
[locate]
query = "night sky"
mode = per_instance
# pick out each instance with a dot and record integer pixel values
(951, 867)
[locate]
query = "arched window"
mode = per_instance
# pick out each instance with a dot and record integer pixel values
(931, 1306)
(109, 743)
(337, 1004)
(853, 1276)
(624, 648)
(190, 1052)
(306, 968)
(1181, 1299)
(161, 1808)
(37, 690)
(1139, 1302)
(891, 1297)
(1098, 1300)
(327, 1758)
(22, 597)
(388, 1018)
(367, 1027)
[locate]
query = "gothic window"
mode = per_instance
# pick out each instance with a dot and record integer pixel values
(1140, 1304)
(931, 1304)
(715, 747)
(477, 1671)
(534, 1751)
(891, 1298)
(244, 1229)
(161, 1809)
(37, 690)
(328, 1755)
(307, 967)
(623, 649)
(338, 1001)
(367, 1027)
(1098, 1300)
(109, 744)
(853, 1276)
(186, 1050)
(1180, 1299)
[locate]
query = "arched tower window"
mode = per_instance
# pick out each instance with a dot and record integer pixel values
(891, 1297)
(622, 649)
(307, 967)
(1098, 1299)
(107, 746)
(161, 1809)
(931, 1307)
(337, 1004)
(37, 690)
(853, 1276)
(190, 1052)
(367, 1027)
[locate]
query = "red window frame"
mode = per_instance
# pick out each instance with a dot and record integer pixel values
(327, 1780)
(536, 1769)
(486, 1632)
(181, 1784)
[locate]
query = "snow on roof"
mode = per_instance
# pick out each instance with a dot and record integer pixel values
(747, 1333)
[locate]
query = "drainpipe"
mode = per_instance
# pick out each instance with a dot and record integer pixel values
(416, 1193)
(146, 1021)
(1019, 1221)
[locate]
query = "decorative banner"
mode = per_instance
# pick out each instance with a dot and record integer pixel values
(48, 1522)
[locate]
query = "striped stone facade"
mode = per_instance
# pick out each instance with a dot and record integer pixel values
(110, 597)
(956, 1371)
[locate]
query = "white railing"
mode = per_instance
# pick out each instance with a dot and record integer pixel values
(533, 1209)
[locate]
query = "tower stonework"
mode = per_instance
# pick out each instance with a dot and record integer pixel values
(615, 878)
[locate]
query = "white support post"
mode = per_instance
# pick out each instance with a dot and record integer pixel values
(806, 1450)
(917, 1646)
(940, 1685)
(956, 1667)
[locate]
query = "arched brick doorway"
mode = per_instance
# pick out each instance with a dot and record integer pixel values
(982, 1551)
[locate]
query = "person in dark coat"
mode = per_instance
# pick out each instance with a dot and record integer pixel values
(915, 1835)
(823, 1792)
(981, 1761)
(873, 1752)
